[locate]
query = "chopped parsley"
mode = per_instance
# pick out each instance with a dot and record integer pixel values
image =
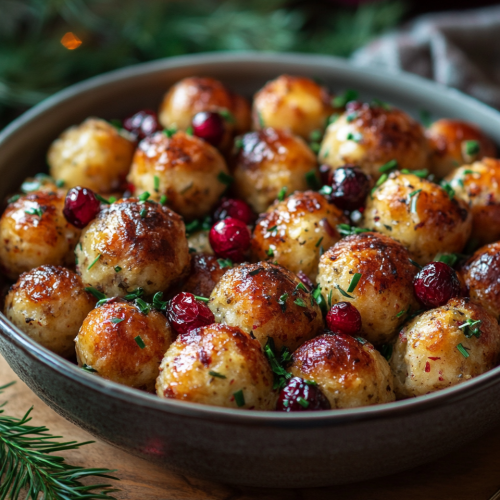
(189, 130)
(270, 252)
(216, 374)
(317, 296)
(280, 374)
(140, 342)
(170, 131)
(94, 262)
(354, 283)
(302, 287)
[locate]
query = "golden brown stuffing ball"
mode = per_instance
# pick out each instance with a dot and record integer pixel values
(268, 161)
(371, 136)
(481, 276)
(123, 344)
(33, 232)
(49, 304)
(384, 293)
(133, 245)
(94, 154)
(444, 347)
(266, 300)
(206, 272)
(478, 185)
(348, 370)
(454, 143)
(199, 242)
(217, 365)
(187, 170)
(419, 214)
(292, 103)
(195, 94)
(295, 231)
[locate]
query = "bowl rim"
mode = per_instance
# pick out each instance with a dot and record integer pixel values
(129, 395)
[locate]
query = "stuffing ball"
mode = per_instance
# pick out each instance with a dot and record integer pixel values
(266, 300)
(196, 94)
(33, 232)
(123, 344)
(269, 161)
(217, 365)
(294, 232)
(187, 170)
(206, 272)
(454, 143)
(198, 242)
(444, 347)
(370, 136)
(94, 154)
(349, 371)
(292, 103)
(419, 214)
(384, 293)
(133, 245)
(481, 276)
(479, 186)
(49, 304)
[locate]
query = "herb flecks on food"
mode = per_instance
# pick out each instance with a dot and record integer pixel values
(93, 263)
(343, 292)
(140, 342)
(471, 328)
(280, 374)
(239, 398)
(216, 374)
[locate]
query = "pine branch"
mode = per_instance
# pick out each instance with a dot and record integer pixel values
(28, 468)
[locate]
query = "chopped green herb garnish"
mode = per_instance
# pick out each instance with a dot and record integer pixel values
(140, 342)
(159, 304)
(401, 313)
(14, 198)
(317, 296)
(341, 100)
(326, 190)
(311, 382)
(93, 263)
(300, 302)
(170, 131)
(163, 199)
(390, 165)
(238, 143)
(463, 351)
(272, 229)
(425, 118)
(34, 211)
(413, 197)
(343, 292)
(318, 243)
(270, 252)
(216, 374)
(88, 368)
(386, 351)
(225, 178)
(225, 263)
(143, 197)
(189, 130)
(447, 187)
(330, 297)
(239, 397)
(351, 117)
(59, 183)
(302, 287)
(227, 115)
(29, 186)
(361, 340)
(423, 173)
(117, 269)
(280, 374)
(282, 193)
(447, 258)
(315, 135)
(354, 136)
(116, 123)
(135, 294)
(312, 180)
(332, 118)
(416, 264)
(201, 299)
(117, 320)
(302, 402)
(143, 213)
(471, 328)
(101, 199)
(143, 306)
(354, 283)
(96, 293)
(389, 228)
(112, 199)
(381, 180)
(156, 181)
(347, 230)
(255, 272)
(282, 301)
(471, 148)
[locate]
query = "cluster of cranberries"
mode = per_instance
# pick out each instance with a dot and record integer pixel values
(185, 313)
(436, 284)
(301, 395)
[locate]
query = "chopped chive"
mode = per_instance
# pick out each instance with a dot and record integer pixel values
(14, 198)
(318, 243)
(416, 264)
(469, 329)
(156, 181)
(312, 180)
(201, 299)
(116, 123)
(317, 296)
(101, 199)
(35, 211)
(300, 302)
(302, 287)
(354, 136)
(282, 301)
(216, 374)
(163, 199)
(468, 171)
(117, 269)
(112, 199)
(351, 117)
(225, 178)
(463, 351)
(382, 179)
(425, 118)
(225, 263)
(28, 186)
(386, 351)
(471, 148)
(227, 115)
(117, 320)
(390, 165)
(413, 196)
(255, 272)
(143, 306)
(447, 187)
(143, 213)
(361, 340)
(343, 292)
(401, 313)
(93, 263)
(239, 397)
(270, 252)
(144, 196)
(238, 143)
(282, 193)
(326, 190)
(302, 402)
(389, 228)
(96, 293)
(423, 173)
(354, 283)
(189, 130)
(140, 342)
(60, 183)
(311, 382)
(332, 118)
(88, 368)
(330, 296)
(347, 230)
(170, 131)
(447, 258)
(315, 135)
(272, 229)
(315, 147)
(134, 294)
(341, 100)
(159, 304)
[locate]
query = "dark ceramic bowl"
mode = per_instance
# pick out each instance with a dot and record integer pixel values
(243, 447)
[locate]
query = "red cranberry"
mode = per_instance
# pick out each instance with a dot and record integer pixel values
(81, 206)
(435, 284)
(185, 313)
(305, 280)
(299, 395)
(343, 317)
(209, 126)
(142, 124)
(230, 239)
(350, 187)
(237, 209)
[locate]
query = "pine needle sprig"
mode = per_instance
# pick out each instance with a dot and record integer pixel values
(28, 468)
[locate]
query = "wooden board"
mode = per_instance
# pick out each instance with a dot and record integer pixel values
(473, 473)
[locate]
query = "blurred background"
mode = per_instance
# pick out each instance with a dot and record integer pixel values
(46, 45)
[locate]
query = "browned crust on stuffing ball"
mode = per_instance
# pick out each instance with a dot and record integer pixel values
(205, 274)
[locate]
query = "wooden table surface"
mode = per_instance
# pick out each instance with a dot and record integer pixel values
(472, 473)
